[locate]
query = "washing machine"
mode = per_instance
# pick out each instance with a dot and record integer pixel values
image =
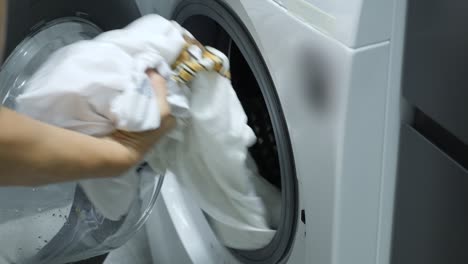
(359, 110)
(320, 82)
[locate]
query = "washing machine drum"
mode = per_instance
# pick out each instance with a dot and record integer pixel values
(57, 223)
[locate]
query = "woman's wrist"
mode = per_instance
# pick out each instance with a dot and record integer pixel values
(34, 153)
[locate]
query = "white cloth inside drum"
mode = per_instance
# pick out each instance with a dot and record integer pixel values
(97, 86)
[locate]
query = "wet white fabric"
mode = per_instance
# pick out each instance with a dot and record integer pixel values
(96, 86)
(211, 160)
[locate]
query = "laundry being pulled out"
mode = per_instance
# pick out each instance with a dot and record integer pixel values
(97, 86)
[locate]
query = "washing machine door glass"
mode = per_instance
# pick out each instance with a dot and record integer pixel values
(57, 223)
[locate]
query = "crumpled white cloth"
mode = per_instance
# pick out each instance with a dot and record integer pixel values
(97, 86)
(211, 160)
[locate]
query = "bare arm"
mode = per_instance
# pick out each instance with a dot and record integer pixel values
(34, 153)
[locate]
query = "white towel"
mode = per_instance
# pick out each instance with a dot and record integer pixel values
(97, 86)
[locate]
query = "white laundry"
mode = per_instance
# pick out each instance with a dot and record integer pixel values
(211, 161)
(97, 86)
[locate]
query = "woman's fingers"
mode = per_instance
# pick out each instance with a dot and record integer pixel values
(159, 86)
(138, 143)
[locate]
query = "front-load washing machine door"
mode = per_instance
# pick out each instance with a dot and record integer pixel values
(57, 223)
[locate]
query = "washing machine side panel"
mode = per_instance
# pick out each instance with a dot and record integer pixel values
(375, 22)
(392, 135)
(356, 23)
(311, 72)
(341, 92)
(360, 173)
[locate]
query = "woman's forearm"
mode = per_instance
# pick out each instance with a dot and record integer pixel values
(34, 153)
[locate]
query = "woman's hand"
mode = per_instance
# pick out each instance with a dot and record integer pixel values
(35, 153)
(138, 143)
